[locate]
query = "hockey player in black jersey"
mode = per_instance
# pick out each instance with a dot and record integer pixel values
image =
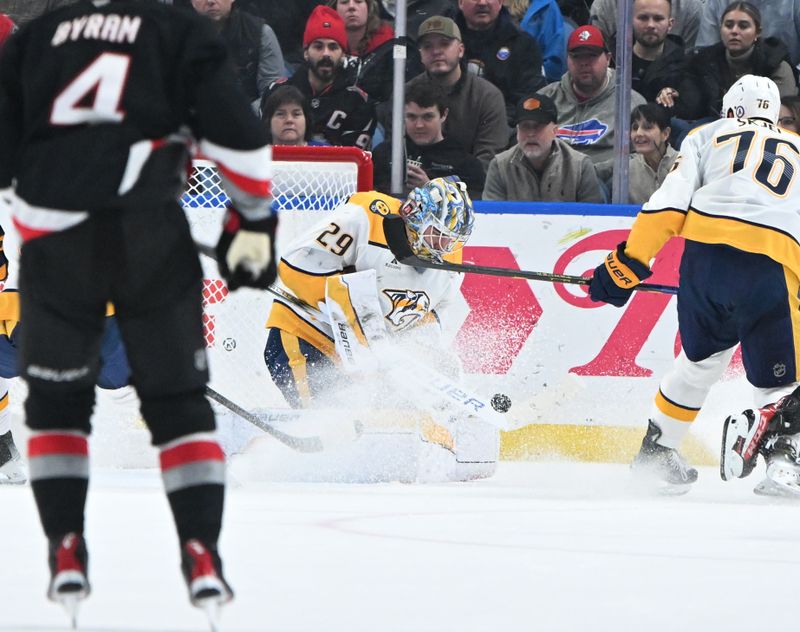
(100, 103)
(341, 114)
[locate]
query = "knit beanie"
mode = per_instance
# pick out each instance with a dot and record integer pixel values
(325, 23)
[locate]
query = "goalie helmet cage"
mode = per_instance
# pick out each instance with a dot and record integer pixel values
(307, 182)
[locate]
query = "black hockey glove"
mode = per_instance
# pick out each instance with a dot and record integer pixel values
(614, 280)
(246, 251)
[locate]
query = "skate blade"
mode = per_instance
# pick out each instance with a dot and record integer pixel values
(12, 474)
(212, 609)
(12, 480)
(644, 484)
(71, 604)
(775, 489)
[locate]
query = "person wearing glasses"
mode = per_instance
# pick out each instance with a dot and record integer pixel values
(789, 117)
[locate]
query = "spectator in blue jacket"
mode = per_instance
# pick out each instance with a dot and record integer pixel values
(542, 20)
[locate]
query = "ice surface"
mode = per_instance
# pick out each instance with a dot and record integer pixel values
(546, 546)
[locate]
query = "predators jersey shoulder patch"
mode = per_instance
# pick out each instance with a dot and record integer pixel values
(379, 207)
(408, 307)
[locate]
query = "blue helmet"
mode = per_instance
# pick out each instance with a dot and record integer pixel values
(439, 217)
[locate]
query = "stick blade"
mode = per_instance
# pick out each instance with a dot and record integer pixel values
(394, 229)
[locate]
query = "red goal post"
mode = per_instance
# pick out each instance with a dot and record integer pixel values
(307, 183)
(362, 160)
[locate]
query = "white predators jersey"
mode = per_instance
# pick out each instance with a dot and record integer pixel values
(734, 182)
(350, 240)
(9, 295)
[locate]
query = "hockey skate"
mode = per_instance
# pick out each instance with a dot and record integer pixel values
(783, 467)
(69, 584)
(11, 470)
(660, 467)
(202, 569)
(771, 431)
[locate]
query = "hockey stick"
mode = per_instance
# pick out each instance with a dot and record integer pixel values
(205, 249)
(394, 229)
(301, 444)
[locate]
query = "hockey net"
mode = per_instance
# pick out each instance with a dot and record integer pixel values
(308, 183)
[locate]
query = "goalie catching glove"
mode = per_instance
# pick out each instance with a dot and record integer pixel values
(615, 279)
(246, 251)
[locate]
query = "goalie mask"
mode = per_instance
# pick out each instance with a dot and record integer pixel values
(752, 97)
(439, 217)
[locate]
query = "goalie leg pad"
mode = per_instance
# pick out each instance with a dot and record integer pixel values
(356, 317)
(302, 372)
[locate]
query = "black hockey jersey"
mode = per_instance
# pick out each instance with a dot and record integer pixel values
(100, 102)
(343, 114)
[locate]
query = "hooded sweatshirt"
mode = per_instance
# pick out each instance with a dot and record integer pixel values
(588, 125)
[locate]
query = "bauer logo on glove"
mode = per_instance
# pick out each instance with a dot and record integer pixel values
(614, 280)
(620, 274)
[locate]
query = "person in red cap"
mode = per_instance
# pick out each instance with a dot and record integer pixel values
(7, 27)
(584, 97)
(341, 114)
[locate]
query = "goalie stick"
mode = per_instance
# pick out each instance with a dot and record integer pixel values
(347, 432)
(301, 444)
(394, 229)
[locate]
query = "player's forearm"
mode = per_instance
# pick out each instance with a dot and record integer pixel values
(650, 231)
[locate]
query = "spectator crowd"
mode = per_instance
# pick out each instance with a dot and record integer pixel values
(517, 97)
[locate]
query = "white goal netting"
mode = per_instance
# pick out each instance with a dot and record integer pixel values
(306, 185)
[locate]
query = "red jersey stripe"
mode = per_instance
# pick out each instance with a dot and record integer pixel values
(53, 443)
(27, 233)
(190, 453)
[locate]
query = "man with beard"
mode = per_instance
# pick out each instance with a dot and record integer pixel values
(658, 59)
(541, 166)
(585, 96)
(341, 114)
(684, 13)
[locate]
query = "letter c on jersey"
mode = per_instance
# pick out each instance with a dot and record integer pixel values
(336, 119)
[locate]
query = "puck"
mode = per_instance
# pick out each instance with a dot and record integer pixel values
(501, 403)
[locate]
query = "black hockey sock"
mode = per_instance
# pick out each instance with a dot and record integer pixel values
(58, 461)
(198, 512)
(193, 469)
(61, 503)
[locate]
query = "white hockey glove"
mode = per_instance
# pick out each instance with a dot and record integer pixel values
(246, 251)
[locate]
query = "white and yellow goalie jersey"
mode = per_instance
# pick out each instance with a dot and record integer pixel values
(734, 182)
(352, 240)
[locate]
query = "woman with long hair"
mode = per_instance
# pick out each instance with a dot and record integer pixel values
(370, 44)
(711, 70)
